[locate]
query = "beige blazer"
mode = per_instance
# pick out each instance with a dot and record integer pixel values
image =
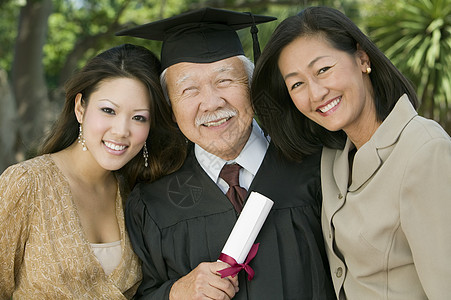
(388, 234)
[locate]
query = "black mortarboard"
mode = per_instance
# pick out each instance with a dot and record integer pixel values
(200, 36)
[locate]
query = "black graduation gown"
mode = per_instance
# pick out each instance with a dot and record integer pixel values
(184, 219)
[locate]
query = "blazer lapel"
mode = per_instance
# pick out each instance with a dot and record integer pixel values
(371, 156)
(341, 168)
(341, 175)
(366, 163)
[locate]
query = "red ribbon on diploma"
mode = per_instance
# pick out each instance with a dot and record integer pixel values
(235, 267)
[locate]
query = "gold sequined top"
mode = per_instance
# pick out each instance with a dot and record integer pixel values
(44, 253)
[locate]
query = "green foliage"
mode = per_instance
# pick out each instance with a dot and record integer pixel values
(70, 24)
(416, 36)
(62, 35)
(88, 26)
(9, 14)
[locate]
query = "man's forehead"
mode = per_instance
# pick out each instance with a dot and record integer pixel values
(184, 71)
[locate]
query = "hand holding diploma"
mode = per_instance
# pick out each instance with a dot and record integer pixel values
(204, 281)
(239, 245)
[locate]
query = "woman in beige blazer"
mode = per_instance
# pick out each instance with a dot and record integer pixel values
(386, 172)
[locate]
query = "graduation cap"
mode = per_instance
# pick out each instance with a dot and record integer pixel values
(200, 36)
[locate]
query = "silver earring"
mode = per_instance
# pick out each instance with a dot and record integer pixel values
(368, 70)
(146, 155)
(81, 139)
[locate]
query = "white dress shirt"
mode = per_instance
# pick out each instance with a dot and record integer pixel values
(250, 159)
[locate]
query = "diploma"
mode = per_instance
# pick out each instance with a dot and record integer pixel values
(241, 239)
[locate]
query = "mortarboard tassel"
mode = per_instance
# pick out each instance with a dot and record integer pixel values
(255, 43)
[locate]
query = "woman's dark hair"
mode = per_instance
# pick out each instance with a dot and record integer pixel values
(291, 132)
(166, 145)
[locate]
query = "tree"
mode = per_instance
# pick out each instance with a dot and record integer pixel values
(28, 82)
(416, 36)
(8, 124)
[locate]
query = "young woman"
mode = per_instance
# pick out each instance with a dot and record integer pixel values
(62, 232)
(385, 171)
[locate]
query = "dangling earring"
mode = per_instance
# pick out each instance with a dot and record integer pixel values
(81, 139)
(368, 70)
(145, 155)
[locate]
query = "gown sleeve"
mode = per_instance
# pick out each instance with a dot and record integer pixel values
(146, 240)
(425, 204)
(17, 190)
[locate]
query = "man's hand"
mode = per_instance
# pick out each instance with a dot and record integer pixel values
(204, 282)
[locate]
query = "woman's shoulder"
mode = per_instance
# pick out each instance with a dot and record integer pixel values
(31, 168)
(426, 129)
(405, 123)
(20, 183)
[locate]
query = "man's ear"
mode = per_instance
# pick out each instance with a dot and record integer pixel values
(362, 59)
(79, 109)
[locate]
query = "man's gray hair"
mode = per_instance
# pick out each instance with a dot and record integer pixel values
(248, 66)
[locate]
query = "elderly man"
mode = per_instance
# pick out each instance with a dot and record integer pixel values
(179, 224)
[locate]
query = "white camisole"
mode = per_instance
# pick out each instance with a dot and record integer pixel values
(108, 254)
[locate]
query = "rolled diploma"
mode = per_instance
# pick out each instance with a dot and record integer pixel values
(247, 226)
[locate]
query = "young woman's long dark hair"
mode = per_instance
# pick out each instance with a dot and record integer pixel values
(291, 132)
(166, 145)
